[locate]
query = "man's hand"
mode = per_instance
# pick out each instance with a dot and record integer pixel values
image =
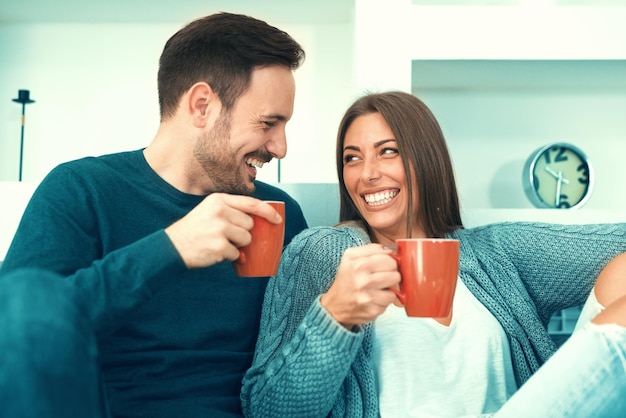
(214, 230)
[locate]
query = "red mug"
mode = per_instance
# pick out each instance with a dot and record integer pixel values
(429, 268)
(261, 257)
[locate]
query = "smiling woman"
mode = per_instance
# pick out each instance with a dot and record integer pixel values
(329, 312)
(373, 173)
(428, 193)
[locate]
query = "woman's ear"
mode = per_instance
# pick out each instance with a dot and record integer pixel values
(201, 101)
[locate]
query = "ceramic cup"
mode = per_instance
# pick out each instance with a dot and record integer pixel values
(429, 269)
(261, 257)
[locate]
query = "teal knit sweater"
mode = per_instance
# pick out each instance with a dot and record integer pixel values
(308, 365)
(172, 341)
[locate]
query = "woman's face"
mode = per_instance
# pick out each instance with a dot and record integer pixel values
(375, 179)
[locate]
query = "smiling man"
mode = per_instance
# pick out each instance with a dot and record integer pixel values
(117, 295)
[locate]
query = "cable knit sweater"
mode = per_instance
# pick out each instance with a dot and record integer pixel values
(308, 365)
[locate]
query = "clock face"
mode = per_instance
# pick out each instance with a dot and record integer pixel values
(561, 177)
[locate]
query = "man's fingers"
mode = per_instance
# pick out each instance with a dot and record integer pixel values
(253, 206)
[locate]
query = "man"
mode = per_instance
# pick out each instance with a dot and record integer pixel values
(117, 295)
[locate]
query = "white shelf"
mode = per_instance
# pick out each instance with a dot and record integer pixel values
(516, 75)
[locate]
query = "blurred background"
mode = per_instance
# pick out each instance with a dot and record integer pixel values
(503, 77)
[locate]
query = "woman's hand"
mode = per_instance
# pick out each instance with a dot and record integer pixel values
(360, 292)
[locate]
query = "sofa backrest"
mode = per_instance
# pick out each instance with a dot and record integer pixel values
(14, 196)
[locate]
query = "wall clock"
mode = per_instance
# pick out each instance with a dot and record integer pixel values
(558, 175)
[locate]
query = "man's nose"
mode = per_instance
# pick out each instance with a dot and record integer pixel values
(277, 145)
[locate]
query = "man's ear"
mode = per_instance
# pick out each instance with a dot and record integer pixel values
(201, 103)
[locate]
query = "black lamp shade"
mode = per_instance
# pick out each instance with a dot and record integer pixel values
(23, 96)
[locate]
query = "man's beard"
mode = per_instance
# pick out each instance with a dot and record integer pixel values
(214, 155)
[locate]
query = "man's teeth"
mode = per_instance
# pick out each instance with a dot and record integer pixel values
(381, 198)
(254, 162)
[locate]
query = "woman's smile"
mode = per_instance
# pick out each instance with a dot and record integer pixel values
(380, 198)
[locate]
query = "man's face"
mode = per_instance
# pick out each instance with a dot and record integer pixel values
(251, 134)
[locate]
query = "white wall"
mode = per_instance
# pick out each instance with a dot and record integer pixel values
(95, 91)
(492, 126)
(95, 87)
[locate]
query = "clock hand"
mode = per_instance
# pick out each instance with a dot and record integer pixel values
(559, 180)
(558, 176)
(551, 171)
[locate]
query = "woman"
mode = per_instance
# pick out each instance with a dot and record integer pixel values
(333, 343)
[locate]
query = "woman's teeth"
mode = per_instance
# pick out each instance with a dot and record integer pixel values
(254, 162)
(381, 198)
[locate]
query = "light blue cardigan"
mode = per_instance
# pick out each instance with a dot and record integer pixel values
(308, 365)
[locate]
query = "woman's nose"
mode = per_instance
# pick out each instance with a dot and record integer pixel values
(371, 170)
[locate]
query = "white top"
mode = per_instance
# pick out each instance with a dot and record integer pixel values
(425, 369)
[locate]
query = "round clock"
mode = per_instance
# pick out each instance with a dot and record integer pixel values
(558, 176)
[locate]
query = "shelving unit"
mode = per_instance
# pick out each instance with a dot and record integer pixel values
(563, 323)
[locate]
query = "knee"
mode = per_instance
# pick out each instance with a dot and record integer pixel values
(615, 313)
(31, 286)
(48, 350)
(611, 283)
(35, 298)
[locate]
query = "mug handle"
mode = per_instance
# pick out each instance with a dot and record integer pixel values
(398, 293)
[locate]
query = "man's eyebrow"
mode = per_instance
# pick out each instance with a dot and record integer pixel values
(275, 117)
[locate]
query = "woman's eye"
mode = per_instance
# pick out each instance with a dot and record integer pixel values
(389, 151)
(349, 158)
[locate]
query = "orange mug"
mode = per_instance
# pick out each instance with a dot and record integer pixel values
(429, 268)
(261, 257)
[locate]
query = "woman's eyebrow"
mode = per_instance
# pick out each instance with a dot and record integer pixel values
(376, 145)
(383, 142)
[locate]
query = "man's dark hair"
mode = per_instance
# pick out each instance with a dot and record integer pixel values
(222, 50)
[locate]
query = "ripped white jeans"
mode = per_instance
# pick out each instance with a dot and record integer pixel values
(586, 377)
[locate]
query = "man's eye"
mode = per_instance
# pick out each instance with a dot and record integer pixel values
(269, 124)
